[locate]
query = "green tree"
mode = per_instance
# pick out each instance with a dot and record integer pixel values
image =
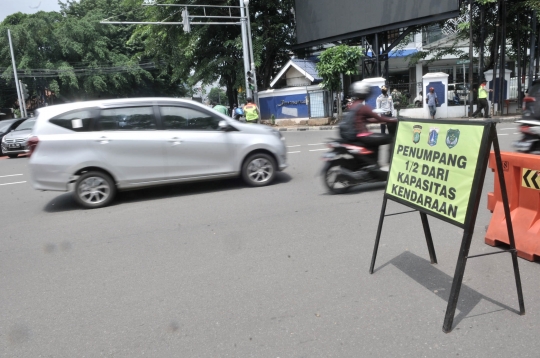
(217, 95)
(72, 54)
(335, 61)
(214, 52)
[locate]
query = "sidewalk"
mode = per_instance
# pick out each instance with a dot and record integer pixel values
(303, 127)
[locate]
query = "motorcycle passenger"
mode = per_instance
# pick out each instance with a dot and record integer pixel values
(365, 115)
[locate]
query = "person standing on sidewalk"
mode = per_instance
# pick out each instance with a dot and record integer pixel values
(251, 111)
(432, 102)
(386, 104)
(482, 101)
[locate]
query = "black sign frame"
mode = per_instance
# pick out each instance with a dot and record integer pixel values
(489, 138)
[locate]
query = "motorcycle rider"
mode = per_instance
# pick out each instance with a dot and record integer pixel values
(365, 115)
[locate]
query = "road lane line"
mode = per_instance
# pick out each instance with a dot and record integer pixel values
(293, 152)
(517, 133)
(315, 150)
(292, 146)
(507, 129)
(501, 134)
(318, 144)
(19, 182)
(11, 175)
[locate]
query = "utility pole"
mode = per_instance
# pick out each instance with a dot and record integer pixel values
(533, 45)
(21, 108)
(252, 62)
(245, 48)
(471, 111)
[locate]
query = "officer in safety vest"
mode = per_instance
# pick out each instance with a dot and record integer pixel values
(251, 112)
(482, 101)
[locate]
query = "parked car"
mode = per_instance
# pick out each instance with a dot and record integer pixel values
(7, 126)
(16, 141)
(95, 148)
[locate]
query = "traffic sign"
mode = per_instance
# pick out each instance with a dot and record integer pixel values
(463, 62)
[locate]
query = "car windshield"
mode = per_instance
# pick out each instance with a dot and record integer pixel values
(28, 124)
(4, 126)
(535, 91)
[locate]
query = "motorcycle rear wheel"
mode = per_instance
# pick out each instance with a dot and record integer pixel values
(331, 181)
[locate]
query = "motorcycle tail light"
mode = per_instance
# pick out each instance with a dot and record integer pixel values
(525, 129)
(527, 100)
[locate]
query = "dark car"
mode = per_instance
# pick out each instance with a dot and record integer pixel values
(7, 126)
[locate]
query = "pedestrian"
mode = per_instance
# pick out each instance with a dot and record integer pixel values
(432, 102)
(237, 112)
(386, 104)
(251, 111)
(482, 101)
(220, 108)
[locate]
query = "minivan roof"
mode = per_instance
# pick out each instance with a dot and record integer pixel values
(53, 110)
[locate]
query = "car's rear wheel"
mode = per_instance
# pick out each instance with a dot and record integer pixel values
(94, 190)
(12, 156)
(259, 169)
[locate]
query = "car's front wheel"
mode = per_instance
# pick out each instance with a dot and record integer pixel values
(259, 169)
(12, 156)
(94, 190)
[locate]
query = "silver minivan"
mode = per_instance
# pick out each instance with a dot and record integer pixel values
(95, 148)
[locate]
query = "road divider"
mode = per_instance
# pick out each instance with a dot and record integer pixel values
(522, 176)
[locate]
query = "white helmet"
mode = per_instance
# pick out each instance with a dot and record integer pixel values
(360, 89)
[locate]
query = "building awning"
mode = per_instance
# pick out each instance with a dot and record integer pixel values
(397, 53)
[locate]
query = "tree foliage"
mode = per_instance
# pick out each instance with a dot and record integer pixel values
(214, 52)
(72, 54)
(335, 61)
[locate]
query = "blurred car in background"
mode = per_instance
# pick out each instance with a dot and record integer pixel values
(95, 148)
(7, 126)
(531, 102)
(16, 141)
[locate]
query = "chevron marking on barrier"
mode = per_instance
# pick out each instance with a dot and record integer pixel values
(530, 179)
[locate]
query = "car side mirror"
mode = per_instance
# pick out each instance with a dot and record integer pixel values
(223, 125)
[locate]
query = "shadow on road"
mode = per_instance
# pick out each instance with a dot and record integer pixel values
(439, 283)
(66, 202)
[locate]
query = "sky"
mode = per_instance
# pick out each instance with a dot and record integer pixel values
(8, 7)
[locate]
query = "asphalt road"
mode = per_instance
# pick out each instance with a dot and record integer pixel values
(218, 269)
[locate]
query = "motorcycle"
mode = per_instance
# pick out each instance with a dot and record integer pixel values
(350, 164)
(530, 140)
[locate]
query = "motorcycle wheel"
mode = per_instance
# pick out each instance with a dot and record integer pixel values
(331, 181)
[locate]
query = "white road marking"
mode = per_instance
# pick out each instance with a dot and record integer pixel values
(11, 175)
(19, 182)
(517, 133)
(501, 134)
(507, 129)
(315, 150)
(318, 144)
(293, 152)
(292, 146)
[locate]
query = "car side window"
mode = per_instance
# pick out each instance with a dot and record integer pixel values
(183, 118)
(78, 121)
(127, 119)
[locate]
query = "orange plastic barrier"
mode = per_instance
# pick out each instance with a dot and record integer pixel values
(522, 177)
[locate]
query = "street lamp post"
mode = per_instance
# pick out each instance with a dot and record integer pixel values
(252, 59)
(245, 47)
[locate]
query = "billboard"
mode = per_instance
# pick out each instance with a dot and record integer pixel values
(321, 21)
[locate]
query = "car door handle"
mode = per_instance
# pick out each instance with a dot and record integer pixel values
(103, 140)
(175, 140)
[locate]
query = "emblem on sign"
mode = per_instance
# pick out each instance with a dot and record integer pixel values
(452, 138)
(433, 136)
(417, 130)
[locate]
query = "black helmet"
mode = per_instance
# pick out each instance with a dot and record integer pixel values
(360, 90)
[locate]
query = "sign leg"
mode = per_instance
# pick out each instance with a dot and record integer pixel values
(456, 283)
(429, 239)
(509, 227)
(378, 238)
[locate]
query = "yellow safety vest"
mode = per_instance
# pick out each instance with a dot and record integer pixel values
(250, 111)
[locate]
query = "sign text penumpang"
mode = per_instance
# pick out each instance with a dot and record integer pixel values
(434, 166)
